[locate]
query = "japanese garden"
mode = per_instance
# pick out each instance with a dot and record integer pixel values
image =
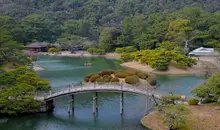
(109, 64)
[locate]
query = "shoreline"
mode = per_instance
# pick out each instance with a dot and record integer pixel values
(195, 70)
(153, 121)
(81, 54)
(200, 115)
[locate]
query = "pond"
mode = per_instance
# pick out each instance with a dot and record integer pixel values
(61, 71)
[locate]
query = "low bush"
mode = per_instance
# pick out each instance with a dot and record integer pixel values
(107, 78)
(126, 57)
(94, 77)
(152, 79)
(53, 50)
(114, 80)
(132, 79)
(131, 72)
(89, 75)
(121, 75)
(208, 100)
(96, 51)
(179, 65)
(193, 101)
(160, 63)
(152, 82)
(119, 50)
(127, 49)
(86, 79)
(100, 80)
(142, 75)
(169, 99)
(106, 72)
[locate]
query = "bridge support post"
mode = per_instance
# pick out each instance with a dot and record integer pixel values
(121, 103)
(69, 104)
(95, 102)
(73, 101)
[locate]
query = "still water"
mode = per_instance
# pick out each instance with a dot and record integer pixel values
(61, 71)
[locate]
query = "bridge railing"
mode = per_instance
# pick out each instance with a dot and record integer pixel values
(103, 85)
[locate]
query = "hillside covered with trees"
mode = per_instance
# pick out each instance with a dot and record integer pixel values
(112, 23)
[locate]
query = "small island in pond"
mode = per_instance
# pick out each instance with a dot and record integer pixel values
(131, 77)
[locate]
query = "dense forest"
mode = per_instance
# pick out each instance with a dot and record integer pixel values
(111, 23)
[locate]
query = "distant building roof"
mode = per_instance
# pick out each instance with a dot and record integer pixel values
(202, 51)
(37, 45)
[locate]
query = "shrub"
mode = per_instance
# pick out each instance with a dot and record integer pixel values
(92, 50)
(86, 79)
(53, 50)
(96, 51)
(169, 99)
(142, 75)
(94, 77)
(107, 78)
(193, 101)
(160, 64)
(132, 79)
(89, 75)
(126, 57)
(180, 65)
(152, 80)
(120, 75)
(106, 72)
(119, 50)
(127, 49)
(100, 80)
(208, 100)
(131, 72)
(100, 52)
(114, 80)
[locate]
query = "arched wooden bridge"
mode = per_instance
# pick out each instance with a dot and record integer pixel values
(103, 88)
(95, 88)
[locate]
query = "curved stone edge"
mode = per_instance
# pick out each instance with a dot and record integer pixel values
(145, 124)
(154, 118)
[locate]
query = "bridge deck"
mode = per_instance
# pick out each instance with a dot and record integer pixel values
(103, 88)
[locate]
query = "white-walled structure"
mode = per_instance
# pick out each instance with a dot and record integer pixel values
(202, 51)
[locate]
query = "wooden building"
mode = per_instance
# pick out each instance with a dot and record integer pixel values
(38, 47)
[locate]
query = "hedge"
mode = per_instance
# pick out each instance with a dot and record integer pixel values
(114, 80)
(94, 77)
(193, 101)
(142, 75)
(120, 75)
(132, 79)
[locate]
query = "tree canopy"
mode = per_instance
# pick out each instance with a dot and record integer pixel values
(210, 89)
(17, 91)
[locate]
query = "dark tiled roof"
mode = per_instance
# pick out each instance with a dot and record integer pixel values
(37, 45)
